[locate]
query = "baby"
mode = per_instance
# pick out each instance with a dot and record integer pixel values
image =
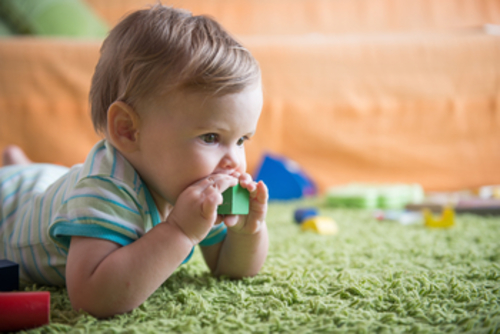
(176, 98)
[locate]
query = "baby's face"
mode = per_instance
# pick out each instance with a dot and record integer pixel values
(186, 137)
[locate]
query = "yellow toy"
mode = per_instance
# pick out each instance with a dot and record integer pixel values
(321, 225)
(447, 219)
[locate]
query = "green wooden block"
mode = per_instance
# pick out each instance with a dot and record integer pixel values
(236, 201)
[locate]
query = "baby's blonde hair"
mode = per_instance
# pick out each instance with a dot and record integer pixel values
(156, 50)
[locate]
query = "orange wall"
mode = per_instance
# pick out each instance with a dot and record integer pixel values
(388, 106)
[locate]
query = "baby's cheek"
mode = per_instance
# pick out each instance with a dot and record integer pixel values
(242, 168)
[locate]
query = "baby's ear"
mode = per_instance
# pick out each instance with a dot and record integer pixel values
(123, 127)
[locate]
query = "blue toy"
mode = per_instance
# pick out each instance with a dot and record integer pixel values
(284, 178)
(309, 220)
(9, 275)
(303, 213)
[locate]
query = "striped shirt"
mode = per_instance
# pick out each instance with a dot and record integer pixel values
(43, 206)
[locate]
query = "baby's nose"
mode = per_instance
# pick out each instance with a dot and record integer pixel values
(231, 160)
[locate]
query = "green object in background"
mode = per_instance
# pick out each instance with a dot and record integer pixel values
(352, 196)
(70, 18)
(5, 30)
(236, 201)
(368, 196)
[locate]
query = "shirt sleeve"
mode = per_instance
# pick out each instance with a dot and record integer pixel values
(98, 207)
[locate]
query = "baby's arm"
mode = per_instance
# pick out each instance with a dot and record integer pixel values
(104, 278)
(244, 250)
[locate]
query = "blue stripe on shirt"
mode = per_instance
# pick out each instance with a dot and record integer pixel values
(152, 207)
(63, 231)
(219, 235)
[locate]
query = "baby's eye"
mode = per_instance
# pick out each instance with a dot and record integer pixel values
(242, 140)
(210, 138)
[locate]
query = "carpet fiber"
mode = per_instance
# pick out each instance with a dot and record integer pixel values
(373, 277)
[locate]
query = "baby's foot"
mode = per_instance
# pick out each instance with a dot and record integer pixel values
(14, 155)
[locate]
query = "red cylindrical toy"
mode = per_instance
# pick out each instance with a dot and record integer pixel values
(24, 310)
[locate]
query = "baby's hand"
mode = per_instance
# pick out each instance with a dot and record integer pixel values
(195, 211)
(251, 223)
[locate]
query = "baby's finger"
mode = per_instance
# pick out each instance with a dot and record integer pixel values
(235, 174)
(211, 199)
(245, 178)
(231, 220)
(262, 193)
(220, 182)
(212, 194)
(247, 182)
(201, 185)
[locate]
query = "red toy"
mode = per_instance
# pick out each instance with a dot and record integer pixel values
(24, 310)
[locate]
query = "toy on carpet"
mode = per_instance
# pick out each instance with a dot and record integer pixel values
(9, 275)
(20, 310)
(446, 220)
(284, 178)
(479, 206)
(236, 201)
(433, 207)
(24, 310)
(476, 206)
(320, 225)
(303, 213)
(372, 196)
(310, 221)
(403, 217)
(492, 191)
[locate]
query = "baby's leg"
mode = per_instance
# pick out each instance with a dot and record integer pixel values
(14, 155)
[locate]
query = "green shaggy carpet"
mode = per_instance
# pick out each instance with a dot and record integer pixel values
(373, 277)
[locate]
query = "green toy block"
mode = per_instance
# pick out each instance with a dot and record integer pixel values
(236, 201)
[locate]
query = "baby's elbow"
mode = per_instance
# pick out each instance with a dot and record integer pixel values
(96, 312)
(250, 273)
(97, 308)
(93, 311)
(236, 275)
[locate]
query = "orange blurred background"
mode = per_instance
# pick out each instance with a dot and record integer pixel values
(355, 90)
